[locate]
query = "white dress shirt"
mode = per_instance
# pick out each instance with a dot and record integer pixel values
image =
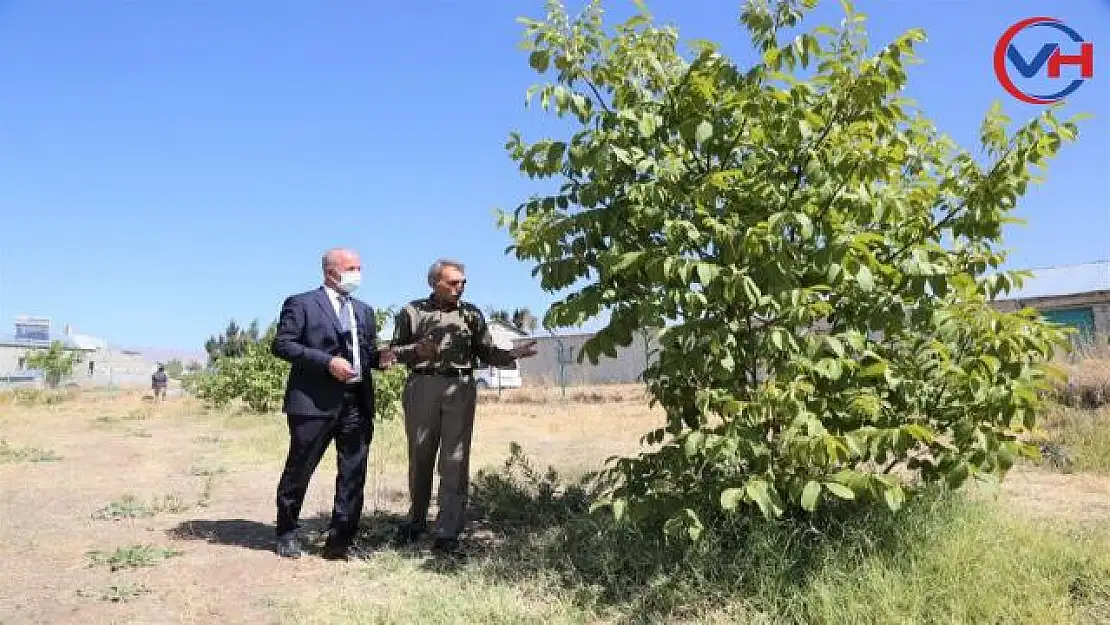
(337, 305)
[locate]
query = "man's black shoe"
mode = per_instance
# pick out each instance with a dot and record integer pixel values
(409, 533)
(335, 548)
(288, 546)
(446, 546)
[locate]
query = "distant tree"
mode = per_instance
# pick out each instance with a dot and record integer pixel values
(54, 362)
(174, 368)
(233, 342)
(499, 314)
(524, 320)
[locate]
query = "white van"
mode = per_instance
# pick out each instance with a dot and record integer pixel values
(494, 377)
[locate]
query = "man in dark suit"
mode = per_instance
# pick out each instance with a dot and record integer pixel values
(329, 396)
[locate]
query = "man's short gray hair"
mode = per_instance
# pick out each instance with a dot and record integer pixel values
(437, 268)
(329, 255)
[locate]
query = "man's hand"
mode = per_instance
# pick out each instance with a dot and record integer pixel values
(524, 350)
(387, 358)
(426, 349)
(341, 369)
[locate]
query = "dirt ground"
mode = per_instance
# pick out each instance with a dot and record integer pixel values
(221, 472)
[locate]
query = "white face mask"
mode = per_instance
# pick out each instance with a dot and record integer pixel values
(349, 281)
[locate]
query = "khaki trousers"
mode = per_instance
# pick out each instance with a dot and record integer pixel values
(439, 417)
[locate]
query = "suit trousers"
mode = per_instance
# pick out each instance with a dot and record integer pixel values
(439, 419)
(309, 437)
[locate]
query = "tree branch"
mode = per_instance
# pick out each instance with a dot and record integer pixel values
(936, 228)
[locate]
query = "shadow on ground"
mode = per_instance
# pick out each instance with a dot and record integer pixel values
(233, 532)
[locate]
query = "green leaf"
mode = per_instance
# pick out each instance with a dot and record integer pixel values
(694, 442)
(620, 506)
(840, 490)
(809, 495)
(704, 132)
(865, 279)
(731, 498)
(875, 370)
(759, 491)
(706, 272)
(539, 60)
(626, 260)
(957, 476)
(894, 497)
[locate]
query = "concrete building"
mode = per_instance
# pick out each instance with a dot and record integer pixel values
(556, 362)
(1074, 295)
(99, 364)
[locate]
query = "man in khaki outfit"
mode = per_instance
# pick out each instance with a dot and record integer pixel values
(440, 338)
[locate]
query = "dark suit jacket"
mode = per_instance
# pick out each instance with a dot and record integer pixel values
(308, 336)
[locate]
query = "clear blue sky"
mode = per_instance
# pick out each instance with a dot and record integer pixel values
(167, 165)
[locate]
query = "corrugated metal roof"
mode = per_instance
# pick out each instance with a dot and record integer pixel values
(1064, 280)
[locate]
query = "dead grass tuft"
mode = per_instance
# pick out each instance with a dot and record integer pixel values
(1087, 381)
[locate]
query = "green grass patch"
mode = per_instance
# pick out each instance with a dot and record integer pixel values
(130, 557)
(131, 507)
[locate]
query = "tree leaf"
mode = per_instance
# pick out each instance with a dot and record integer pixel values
(706, 272)
(759, 491)
(840, 490)
(810, 493)
(865, 279)
(704, 132)
(731, 498)
(894, 497)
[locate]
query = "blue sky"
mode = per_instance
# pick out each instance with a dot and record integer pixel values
(167, 165)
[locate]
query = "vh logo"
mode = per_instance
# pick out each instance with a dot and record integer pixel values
(1049, 57)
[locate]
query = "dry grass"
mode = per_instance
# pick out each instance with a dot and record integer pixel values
(595, 394)
(1087, 377)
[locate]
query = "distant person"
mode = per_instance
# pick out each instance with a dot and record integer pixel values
(329, 395)
(440, 338)
(92, 367)
(158, 383)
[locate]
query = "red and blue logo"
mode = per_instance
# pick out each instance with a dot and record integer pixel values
(1040, 75)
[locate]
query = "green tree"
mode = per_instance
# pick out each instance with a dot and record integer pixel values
(822, 258)
(55, 362)
(175, 369)
(524, 319)
(233, 342)
(498, 314)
